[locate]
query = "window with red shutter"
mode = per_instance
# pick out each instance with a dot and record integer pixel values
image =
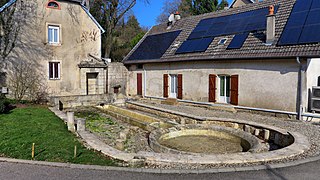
(165, 86)
(234, 99)
(180, 89)
(212, 87)
(139, 84)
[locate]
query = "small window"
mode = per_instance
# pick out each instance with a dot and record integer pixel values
(54, 70)
(53, 5)
(140, 66)
(222, 41)
(53, 34)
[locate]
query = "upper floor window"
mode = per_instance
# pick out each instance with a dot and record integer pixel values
(53, 34)
(53, 5)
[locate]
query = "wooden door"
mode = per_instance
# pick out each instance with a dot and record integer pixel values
(179, 86)
(139, 84)
(234, 90)
(165, 86)
(212, 87)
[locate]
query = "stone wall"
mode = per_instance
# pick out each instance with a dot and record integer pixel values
(117, 78)
(65, 102)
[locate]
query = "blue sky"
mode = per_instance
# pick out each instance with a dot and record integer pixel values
(147, 13)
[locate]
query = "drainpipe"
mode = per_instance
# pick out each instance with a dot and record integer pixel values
(144, 82)
(300, 79)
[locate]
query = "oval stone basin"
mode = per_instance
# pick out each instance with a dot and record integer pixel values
(204, 141)
(192, 139)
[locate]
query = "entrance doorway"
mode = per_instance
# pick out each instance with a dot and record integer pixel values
(224, 88)
(92, 83)
(173, 86)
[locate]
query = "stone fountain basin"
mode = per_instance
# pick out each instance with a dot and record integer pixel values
(204, 139)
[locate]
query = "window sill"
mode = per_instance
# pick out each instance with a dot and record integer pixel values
(54, 44)
(52, 79)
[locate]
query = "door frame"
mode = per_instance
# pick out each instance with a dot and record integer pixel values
(225, 98)
(173, 86)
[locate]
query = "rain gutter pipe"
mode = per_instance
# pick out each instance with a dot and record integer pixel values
(300, 79)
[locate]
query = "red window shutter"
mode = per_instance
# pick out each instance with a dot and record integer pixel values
(212, 87)
(234, 90)
(165, 85)
(139, 84)
(50, 70)
(179, 96)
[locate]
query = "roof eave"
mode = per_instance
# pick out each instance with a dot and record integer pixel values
(8, 4)
(132, 62)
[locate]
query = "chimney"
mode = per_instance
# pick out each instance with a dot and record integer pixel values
(86, 3)
(271, 26)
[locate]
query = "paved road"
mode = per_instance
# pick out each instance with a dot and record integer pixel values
(26, 171)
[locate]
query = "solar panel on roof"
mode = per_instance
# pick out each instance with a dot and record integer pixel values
(303, 25)
(310, 34)
(302, 5)
(313, 17)
(194, 45)
(297, 19)
(290, 36)
(238, 41)
(241, 24)
(154, 46)
(315, 5)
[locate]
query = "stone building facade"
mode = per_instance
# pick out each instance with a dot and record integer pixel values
(62, 42)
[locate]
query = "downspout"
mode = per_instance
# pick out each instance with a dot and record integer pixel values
(300, 79)
(144, 82)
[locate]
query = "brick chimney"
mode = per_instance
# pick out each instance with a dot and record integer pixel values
(271, 26)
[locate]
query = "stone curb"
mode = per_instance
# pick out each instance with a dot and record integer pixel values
(162, 171)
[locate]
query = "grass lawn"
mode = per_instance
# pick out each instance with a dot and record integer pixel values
(53, 142)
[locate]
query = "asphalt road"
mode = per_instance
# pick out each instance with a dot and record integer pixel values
(26, 171)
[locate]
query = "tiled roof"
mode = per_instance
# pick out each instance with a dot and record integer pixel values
(253, 48)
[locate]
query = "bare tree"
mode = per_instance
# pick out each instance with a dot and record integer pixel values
(109, 13)
(26, 82)
(9, 29)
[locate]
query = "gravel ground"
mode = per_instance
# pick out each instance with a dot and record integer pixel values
(308, 129)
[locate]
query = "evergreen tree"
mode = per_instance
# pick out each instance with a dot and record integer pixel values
(202, 6)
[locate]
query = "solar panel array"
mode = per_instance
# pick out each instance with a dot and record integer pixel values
(154, 46)
(238, 40)
(208, 29)
(303, 25)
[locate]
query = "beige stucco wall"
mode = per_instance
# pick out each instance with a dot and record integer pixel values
(270, 84)
(79, 36)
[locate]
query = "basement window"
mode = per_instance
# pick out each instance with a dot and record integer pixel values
(53, 5)
(222, 41)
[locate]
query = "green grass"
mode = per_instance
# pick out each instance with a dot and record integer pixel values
(53, 142)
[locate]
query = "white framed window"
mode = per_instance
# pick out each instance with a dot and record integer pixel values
(54, 70)
(53, 34)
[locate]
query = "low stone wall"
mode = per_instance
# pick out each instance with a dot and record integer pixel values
(271, 135)
(65, 102)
